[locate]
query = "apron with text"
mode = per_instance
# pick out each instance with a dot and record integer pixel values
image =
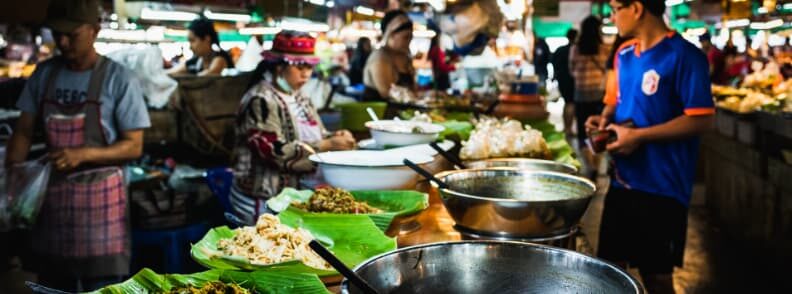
(82, 228)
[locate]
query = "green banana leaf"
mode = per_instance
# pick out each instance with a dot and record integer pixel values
(556, 141)
(352, 238)
(393, 203)
(147, 281)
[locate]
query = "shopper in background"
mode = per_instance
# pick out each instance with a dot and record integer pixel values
(440, 66)
(716, 59)
(587, 65)
(206, 60)
(277, 128)
(566, 83)
(541, 57)
(93, 114)
(390, 64)
(359, 57)
(663, 89)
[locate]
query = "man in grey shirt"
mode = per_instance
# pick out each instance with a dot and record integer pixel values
(93, 114)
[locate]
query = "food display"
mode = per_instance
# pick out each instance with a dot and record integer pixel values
(745, 100)
(271, 242)
(494, 138)
(335, 200)
(210, 288)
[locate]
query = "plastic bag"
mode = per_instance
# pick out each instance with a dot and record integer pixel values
(146, 63)
(25, 189)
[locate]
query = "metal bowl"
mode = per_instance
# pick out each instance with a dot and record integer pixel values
(514, 203)
(524, 163)
(491, 267)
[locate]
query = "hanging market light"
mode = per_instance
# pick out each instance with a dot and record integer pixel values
(150, 14)
(227, 16)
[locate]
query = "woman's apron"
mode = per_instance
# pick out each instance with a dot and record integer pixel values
(82, 228)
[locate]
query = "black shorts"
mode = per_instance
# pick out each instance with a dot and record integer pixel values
(644, 230)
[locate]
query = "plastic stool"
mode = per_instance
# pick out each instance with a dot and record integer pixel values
(171, 241)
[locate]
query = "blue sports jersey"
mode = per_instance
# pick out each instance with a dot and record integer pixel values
(654, 87)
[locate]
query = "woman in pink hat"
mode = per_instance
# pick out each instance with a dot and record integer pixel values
(277, 128)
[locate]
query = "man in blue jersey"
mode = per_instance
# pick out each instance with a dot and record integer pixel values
(662, 87)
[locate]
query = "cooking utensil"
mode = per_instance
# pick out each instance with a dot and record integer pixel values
(491, 267)
(341, 267)
(525, 164)
(372, 114)
(369, 170)
(425, 173)
(513, 203)
(448, 156)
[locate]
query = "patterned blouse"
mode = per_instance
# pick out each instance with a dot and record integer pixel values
(268, 155)
(589, 72)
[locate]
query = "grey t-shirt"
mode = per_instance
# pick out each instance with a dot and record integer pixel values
(123, 106)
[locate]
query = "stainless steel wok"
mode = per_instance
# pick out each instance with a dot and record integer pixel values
(491, 267)
(515, 203)
(524, 163)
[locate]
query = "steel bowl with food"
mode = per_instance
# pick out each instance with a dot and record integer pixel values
(513, 203)
(490, 267)
(525, 164)
(403, 133)
(369, 170)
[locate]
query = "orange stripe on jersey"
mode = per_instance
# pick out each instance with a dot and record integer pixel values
(611, 88)
(612, 82)
(699, 111)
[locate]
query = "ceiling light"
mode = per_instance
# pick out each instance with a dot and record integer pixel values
(364, 10)
(227, 16)
(767, 25)
(147, 13)
(736, 23)
(610, 30)
(259, 31)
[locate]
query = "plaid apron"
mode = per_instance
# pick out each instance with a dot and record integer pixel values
(82, 228)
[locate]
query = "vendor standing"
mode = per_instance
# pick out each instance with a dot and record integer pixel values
(390, 64)
(663, 88)
(93, 113)
(206, 60)
(277, 127)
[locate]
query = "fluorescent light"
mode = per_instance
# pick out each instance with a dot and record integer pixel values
(317, 2)
(438, 5)
(178, 33)
(670, 3)
(696, 31)
(767, 25)
(227, 16)
(114, 16)
(424, 34)
(762, 10)
(304, 26)
(364, 10)
(736, 23)
(787, 6)
(610, 30)
(114, 25)
(330, 4)
(150, 14)
(259, 31)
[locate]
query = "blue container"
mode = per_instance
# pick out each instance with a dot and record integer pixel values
(525, 88)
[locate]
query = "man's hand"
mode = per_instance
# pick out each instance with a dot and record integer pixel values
(627, 139)
(596, 122)
(67, 159)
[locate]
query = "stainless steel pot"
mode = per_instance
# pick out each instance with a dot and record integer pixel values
(491, 267)
(515, 203)
(524, 163)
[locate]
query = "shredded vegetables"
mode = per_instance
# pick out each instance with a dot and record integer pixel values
(271, 242)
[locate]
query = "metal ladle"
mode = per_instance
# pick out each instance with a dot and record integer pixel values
(341, 267)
